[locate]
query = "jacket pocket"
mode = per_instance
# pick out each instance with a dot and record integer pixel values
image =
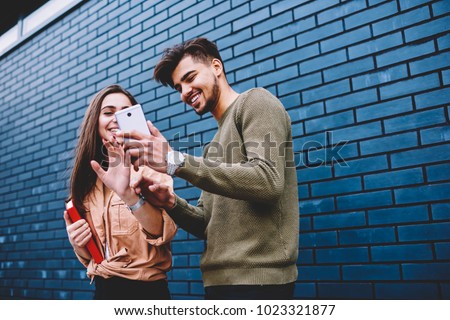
(122, 220)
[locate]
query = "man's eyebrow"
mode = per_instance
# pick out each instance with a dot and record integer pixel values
(187, 74)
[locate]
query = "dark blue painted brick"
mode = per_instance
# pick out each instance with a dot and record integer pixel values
(323, 61)
(273, 77)
(339, 220)
(426, 271)
(329, 122)
(384, 109)
(439, 61)
(319, 33)
(444, 42)
(345, 39)
(351, 100)
(314, 173)
(338, 12)
(317, 206)
(393, 179)
(362, 165)
(409, 86)
(326, 91)
(367, 236)
(380, 77)
(352, 291)
(364, 200)
(337, 186)
(433, 98)
(253, 43)
(305, 257)
(441, 211)
(358, 132)
(389, 143)
(442, 250)
(276, 49)
(295, 56)
(370, 15)
(349, 69)
(371, 272)
(438, 172)
(401, 21)
(423, 194)
(318, 273)
(410, 252)
(304, 290)
(420, 232)
(427, 29)
(306, 111)
(297, 84)
(318, 239)
(420, 156)
(406, 291)
(342, 255)
(375, 46)
(294, 28)
(310, 8)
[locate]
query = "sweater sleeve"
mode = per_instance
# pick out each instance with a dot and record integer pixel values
(263, 124)
(190, 218)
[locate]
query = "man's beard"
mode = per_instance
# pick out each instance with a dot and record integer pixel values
(211, 103)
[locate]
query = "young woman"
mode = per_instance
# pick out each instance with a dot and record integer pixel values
(133, 236)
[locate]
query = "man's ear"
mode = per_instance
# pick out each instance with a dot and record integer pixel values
(217, 66)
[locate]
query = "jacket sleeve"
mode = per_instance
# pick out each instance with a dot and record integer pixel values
(169, 231)
(264, 127)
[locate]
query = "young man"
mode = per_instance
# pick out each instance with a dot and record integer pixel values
(248, 208)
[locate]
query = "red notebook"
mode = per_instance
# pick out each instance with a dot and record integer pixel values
(91, 246)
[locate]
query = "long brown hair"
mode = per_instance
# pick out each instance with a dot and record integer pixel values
(90, 147)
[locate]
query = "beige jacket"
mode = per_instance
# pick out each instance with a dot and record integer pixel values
(133, 253)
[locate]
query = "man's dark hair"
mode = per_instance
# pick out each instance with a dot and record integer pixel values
(200, 49)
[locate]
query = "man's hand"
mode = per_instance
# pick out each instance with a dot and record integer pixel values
(158, 194)
(149, 150)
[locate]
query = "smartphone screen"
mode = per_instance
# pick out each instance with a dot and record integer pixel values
(132, 118)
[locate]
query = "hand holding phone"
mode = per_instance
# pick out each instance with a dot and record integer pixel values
(132, 118)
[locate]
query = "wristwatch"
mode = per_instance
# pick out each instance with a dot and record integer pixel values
(138, 204)
(174, 160)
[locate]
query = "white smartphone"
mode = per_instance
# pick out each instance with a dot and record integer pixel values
(132, 118)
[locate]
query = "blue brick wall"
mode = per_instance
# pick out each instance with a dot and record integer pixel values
(367, 86)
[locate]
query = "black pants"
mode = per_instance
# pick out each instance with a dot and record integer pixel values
(116, 288)
(251, 292)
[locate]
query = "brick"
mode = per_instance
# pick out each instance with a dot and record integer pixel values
(432, 98)
(426, 271)
(275, 49)
(296, 56)
(371, 272)
(408, 291)
(441, 211)
(338, 12)
(439, 61)
(380, 77)
(329, 122)
(421, 232)
(273, 77)
(409, 86)
(342, 255)
(351, 100)
(438, 172)
(318, 239)
(393, 179)
(304, 290)
(408, 4)
(370, 15)
(317, 206)
(306, 111)
(326, 91)
(314, 174)
(427, 29)
(423, 193)
(366, 236)
(320, 33)
(318, 273)
(349, 69)
(409, 252)
(352, 291)
(446, 77)
(254, 17)
(232, 15)
(420, 156)
(294, 28)
(404, 53)
(364, 200)
(442, 250)
(268, 24)
(337, 186)
(299, 83)
(444, 42)
(357, 132)
(284, 5)
(362, 165)
(322, 62)
(345, 39)
(389, 143)
(339, 220)
(311, 8)
(256, 69)
(401, 21)
(252, 44)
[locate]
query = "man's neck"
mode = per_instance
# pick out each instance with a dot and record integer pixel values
(227, 96)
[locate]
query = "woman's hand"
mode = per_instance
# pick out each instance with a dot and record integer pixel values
(117, 176)
(79, 234)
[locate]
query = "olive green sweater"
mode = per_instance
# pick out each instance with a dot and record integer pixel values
(248, 209)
